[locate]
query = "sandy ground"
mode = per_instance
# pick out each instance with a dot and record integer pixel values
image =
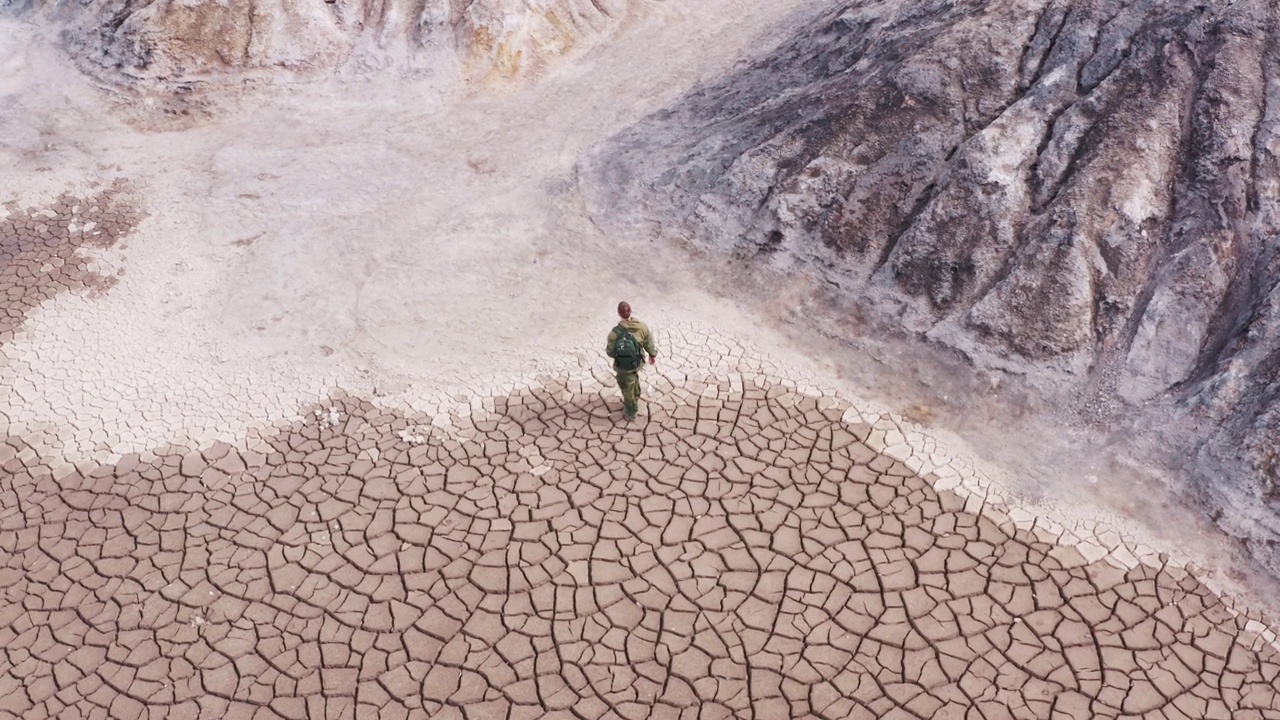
(357, 232)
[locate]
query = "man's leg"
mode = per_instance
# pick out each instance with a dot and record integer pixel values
(629, 384)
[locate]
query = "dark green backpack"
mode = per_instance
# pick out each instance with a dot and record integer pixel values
(626, 351)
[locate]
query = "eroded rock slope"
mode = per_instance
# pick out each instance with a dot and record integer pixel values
(1086, 193)
(181, 41)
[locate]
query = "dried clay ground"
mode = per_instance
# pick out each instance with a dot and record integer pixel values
(304, 415)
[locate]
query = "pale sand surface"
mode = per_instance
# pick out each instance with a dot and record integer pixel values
(315, 424)
(369, 230)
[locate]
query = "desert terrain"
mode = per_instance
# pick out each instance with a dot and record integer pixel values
(306, 414)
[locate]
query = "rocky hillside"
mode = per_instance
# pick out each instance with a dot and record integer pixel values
(1082, 192)
(203, 39)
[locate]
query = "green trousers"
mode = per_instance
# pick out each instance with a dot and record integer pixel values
(629, 384)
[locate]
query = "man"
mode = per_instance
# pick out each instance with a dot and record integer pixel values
(629, 342)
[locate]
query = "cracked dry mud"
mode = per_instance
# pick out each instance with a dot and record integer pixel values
(740, 551)
(38, 249)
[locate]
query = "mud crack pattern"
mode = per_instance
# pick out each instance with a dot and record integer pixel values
(738, 553)
(38, 249)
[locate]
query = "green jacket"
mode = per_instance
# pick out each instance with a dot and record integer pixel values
(641, 333)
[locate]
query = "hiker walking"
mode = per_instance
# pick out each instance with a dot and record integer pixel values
(629, 342)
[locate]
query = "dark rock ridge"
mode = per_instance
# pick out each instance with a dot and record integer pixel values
(1084, 193)
(202, 40)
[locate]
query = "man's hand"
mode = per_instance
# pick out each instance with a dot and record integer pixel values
(652, 359)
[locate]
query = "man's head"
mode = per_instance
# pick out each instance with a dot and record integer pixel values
(624, 310)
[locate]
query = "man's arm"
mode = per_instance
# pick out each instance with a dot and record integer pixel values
(650, 346)
(608, 348)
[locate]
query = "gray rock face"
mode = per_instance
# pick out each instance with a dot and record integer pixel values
(211, 39)
(1086, 193)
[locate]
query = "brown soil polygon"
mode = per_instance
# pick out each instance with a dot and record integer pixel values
(38, 257)
(738, 556)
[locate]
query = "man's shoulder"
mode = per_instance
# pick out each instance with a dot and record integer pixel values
(634, 325)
